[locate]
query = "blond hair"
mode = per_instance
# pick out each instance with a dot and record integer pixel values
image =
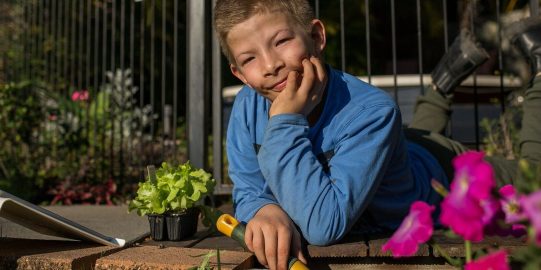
(228, 13)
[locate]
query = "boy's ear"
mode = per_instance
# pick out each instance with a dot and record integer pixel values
(318, 36)
(238, 74)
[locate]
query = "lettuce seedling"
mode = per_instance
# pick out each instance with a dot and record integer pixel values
(175, 190)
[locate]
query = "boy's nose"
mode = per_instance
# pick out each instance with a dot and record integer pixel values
(272, 65)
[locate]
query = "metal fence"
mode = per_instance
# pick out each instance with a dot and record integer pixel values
(176, 68)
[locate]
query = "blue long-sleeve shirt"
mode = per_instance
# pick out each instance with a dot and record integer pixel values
(353, 166)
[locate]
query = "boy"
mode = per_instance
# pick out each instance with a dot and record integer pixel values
(311, 150)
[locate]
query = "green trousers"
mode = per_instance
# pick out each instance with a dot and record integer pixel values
(431, 116)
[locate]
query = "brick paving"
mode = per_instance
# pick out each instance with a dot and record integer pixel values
(23, 249)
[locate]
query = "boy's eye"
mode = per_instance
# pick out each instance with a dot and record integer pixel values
(247, 60)
(281, 41)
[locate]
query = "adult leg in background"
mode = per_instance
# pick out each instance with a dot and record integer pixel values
(526, 37)
(433, 109)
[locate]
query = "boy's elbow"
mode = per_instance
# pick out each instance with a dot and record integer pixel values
(320, 240)
(320, 237)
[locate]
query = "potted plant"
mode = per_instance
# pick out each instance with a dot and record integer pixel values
(169, 198)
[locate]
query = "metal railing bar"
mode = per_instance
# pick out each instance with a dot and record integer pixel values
(96, 77)
(43, 39)
(317, 8)
(420, 45)
(163, 77)
(534, 8)
(393, 32)
(196, 83)
(24, 39)
(475, 92)
(132, 66)
(446, 46)
(56, 59)
(103, 80)
(122, 86)
(34, 41)
(217, 98)
(342, 36)
(62, 40)
(152, 49)
(142, 77)
(88, 64)
(500, 57)
(29, 22)
(175, 77)
(80, 34)
(53, 45)
(72, 53)
(113, 70)
(445, 26)
(47, 39)
(40, 39)
(368, 47)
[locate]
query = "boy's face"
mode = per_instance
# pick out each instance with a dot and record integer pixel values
(267, 46)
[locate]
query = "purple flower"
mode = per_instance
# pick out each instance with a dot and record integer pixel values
(415, 229)
(495, 261)
(469, 205)
(531, 205)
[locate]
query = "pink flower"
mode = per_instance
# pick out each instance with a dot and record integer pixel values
(415, 229)
(498, 226)
(464, 215)
(469, 205)
(79, 95)
(510, 204)
(531, 205)
(471, 167)
(494, 261)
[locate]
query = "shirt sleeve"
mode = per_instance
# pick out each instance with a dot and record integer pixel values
(250, 191)
(325, 205)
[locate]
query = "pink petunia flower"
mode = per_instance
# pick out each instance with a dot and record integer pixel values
(531, 205)
(494, 261)
(79, 95)
(471, 167)
(469, 205)
(504, 221)
(415, 229)
(510, 205)
(498, 226)
(464, 215)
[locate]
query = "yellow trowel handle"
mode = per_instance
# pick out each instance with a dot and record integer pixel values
(229, 226)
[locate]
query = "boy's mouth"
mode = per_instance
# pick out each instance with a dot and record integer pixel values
(280, 85)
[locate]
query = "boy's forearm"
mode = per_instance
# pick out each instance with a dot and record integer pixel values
(325, 205)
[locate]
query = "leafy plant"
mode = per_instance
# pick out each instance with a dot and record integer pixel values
(174, 190)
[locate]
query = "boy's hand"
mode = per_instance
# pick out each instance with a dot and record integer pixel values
(272, 236)
(301, 98)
